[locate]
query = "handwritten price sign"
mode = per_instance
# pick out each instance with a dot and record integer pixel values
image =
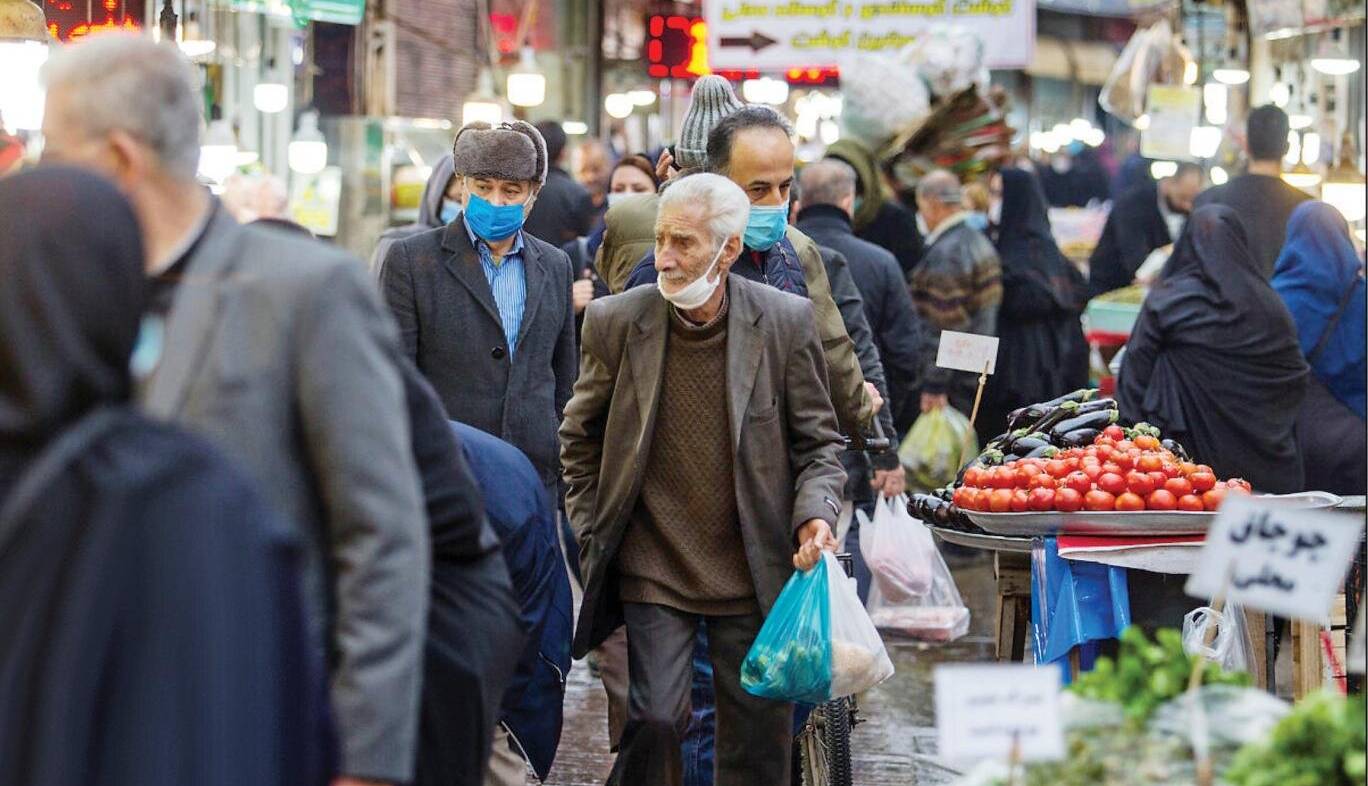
(967, 352)
(1280, 560)
(984, 711)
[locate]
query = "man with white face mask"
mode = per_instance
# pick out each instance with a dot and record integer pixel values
(701, 458)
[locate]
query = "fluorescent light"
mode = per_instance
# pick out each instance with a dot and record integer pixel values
(1303, 179)
(830, 132)
(1162, 169)
(618, 105)
(526, 85)
(308, 153)
(1094, 137)
(21, 94)
(1215, 96)
(1334, 66)
(270, 97)
(218, 152)
(1231, 76)
(1064, 133)
(1204, 141)
(193, 49)
(1219, 176)
(1079, 126)
(478, 111)
(642, 97)
(1347, 198)
(1310, 148)
(1142, 123)
(575, 127)
(765, 90)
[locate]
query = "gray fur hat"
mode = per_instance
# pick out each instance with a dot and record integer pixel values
(512, 151)
(712, 100)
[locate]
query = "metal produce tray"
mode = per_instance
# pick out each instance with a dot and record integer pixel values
(987, 542)
(1138, 524)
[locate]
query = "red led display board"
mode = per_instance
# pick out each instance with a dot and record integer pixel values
(68, 20)
(677, 48)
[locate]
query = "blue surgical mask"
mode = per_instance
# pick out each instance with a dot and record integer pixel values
(493, 222)
(977, 220)
(450, 210)
(766, 225)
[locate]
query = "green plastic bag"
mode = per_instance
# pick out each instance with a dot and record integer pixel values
(936, 447)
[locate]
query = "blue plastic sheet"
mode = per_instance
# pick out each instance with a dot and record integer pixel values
(1074, 604)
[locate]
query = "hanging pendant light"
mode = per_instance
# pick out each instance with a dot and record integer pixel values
(1232, 73)
(308, 151)
(526, 84)
(1332, 59)
(1344, 185)
(23, 50)
(481, 106)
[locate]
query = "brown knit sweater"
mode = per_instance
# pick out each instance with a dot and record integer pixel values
(683, 545)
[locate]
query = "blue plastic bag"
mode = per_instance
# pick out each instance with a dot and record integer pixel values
(791, 657)
(817, 643)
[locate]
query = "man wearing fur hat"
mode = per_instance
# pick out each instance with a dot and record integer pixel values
(484, 308)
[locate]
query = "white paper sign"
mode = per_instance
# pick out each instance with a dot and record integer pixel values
(981, 710)
(781, 34)
(1285, 561)
(967, 352)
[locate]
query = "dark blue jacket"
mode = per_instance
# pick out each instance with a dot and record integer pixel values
(779, 267)
(521, 514)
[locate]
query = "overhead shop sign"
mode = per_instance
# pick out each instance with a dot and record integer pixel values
(342, 12)
(782, 34)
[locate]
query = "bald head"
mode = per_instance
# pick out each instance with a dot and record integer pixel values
(828, 182)
(938, 197)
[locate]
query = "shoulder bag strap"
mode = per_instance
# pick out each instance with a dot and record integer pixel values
(1330, 326)
(48, 467)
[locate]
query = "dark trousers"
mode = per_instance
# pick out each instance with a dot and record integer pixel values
(753, 734)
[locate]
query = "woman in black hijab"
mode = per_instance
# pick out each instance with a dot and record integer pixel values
(1041, 351)
(152, 628)
(1214, 361)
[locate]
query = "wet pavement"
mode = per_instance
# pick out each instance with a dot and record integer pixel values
(896, 744)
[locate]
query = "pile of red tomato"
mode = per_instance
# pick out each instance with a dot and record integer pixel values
(1115, 473)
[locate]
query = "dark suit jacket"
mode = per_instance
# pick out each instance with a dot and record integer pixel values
(450, 328)
(784, 435)
(1134, 228)
(563, 210)
(887, 304)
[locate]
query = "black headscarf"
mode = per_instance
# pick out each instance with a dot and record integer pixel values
(1042, 353)
(153, 629)
(1214, 361)
(72, 265)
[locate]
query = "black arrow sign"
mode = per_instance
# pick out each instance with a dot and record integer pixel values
(756, 41)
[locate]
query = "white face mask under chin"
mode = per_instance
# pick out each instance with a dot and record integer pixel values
(694, 294)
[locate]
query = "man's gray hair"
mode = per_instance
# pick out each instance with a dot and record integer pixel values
(725, 206)
(128, 82)
(938, 185)
(827, 182)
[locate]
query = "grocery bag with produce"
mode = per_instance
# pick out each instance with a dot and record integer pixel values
(817, 643)
(898, 550)
(936, 446)
(936, 614)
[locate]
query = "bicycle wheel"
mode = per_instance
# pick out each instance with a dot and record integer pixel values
(836, 715)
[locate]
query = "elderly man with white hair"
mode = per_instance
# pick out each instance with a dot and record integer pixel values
(289, 368)
(700, 450)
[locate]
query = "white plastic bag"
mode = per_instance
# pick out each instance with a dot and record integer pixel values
(898, 550)
(859, 660)
(1230, 648)
(935, 614)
